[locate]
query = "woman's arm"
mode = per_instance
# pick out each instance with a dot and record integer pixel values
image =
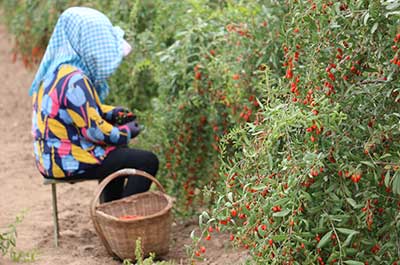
(85, 112)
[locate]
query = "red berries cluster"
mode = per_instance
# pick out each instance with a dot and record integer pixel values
(201, 250)
(331, 76)
(395, 48)
(293, 86)
(356, 178)
(246, 113)
(397, 38)
(235, 76)
(276, 208)
(197, 73)
(375, 248)
(240, 29)
(314, 128)
(395, 61)
(289, 69)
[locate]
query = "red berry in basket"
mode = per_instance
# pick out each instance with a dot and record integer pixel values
(129, 217)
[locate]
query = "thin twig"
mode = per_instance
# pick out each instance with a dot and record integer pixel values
(376, 81)
(337, 238)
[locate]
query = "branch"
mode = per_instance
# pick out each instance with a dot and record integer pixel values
(337, 238)
(376, 81)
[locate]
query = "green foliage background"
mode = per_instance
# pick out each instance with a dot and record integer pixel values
(256, 104)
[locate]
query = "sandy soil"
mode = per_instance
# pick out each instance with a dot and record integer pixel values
(21, 189)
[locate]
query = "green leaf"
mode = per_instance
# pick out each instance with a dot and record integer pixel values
(324, 240)
(367, 163)
(385, 156)
(396, 182)
(387, 178)
(352, 202)
(396, 13)
(348, 240)
(279, 237)
(374, 27)
(353, 262)
(205, 214)
(366, 17)
(393, 5)
(347, 231)
(230, 196)
(281, 213)
(192, 235)
(260, 187)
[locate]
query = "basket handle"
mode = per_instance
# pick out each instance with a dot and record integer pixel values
(120, 173)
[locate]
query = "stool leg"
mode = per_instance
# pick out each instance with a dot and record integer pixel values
(55, 214)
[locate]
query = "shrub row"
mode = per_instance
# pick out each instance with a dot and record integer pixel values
(280, 119)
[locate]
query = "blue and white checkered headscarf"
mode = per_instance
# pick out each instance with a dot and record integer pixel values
(85, 38)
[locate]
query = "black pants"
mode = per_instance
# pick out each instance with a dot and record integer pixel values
(123, 157)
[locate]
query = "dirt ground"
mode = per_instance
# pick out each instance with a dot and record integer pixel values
(21, 188)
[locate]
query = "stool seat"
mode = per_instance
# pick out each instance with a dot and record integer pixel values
(47, 181)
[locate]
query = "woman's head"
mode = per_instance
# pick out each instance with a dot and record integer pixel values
(85, 38)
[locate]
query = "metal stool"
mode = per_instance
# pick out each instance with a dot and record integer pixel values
(53, 183)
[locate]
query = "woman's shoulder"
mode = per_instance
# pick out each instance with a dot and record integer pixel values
(60, 77)
(67, 69)
(74, 84)
(69, 75)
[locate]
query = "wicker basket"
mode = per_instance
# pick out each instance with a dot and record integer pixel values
(153, 225)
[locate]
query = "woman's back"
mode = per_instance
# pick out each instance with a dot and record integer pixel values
(68, 127)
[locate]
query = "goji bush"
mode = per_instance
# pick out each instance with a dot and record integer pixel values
(279, 118)
(314, 177)
(170, 79)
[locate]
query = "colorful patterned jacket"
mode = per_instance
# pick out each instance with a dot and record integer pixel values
(70, 125)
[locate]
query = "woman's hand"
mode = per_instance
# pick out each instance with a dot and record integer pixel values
(134, 128)
(121, 116)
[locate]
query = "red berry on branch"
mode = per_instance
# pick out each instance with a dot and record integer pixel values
(289, 73)
(197, 75)
(202, 249)
(233, 213)
(355, 178)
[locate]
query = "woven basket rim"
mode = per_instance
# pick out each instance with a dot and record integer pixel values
(163, 211)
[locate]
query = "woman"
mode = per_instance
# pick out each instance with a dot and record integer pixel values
(75, 135)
